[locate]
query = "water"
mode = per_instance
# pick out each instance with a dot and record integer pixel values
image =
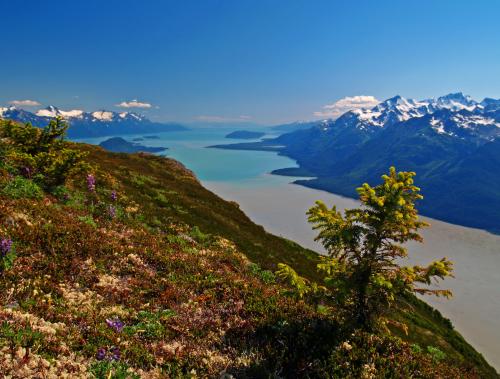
(280, 207)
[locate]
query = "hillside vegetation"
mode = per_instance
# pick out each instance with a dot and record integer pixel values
(124, 266)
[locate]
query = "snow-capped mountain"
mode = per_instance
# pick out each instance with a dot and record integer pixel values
(455, 115)
(455, 102)
(52, 111)
(490, 105)
(13, 113)
(98, 116)
(90, 124)
(452, 143)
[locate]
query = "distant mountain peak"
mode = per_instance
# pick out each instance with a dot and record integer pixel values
(82, 124)
(395, 100)
(456, 101)
(52, 111)
(457, 96)
(454, 114)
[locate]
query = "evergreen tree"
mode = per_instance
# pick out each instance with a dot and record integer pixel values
(41, 154)
(365, 247)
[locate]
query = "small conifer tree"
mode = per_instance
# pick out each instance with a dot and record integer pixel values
(363, 271)
(41, 154)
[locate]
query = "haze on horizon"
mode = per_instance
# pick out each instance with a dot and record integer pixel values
(244, 61)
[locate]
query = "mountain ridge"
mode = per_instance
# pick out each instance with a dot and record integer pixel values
(91, 124)
(438, 138)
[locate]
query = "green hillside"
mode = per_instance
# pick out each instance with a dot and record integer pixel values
(129, 267)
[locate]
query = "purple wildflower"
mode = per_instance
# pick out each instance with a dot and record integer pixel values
(114, 196)
(91, 183)
(112, 211)
(101, 354)
(115, 354)
(5, 246)
(115, 324)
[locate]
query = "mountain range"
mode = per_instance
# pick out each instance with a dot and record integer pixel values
(452, 143)
(91, 124)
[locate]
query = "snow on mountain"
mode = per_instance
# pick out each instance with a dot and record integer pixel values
(103, 116)
(97, 116)
(3, 110)
(52, 111)
(85, 124)
(455, 102)
(454, 114)
(75, 113)
(438, 126)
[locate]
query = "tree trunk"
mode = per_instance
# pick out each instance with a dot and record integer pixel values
(363, 314)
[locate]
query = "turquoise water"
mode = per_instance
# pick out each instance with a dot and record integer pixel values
(241, 168)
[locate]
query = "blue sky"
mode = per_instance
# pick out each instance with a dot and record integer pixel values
(267, 61)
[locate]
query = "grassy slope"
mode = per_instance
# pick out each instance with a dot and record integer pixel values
(213, 302)
(172, 193)
(214, 215)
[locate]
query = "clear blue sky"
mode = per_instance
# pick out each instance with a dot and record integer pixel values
(269, 60)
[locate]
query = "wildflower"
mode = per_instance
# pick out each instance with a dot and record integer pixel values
(115, 354)
(5, 246)
(91, 183)
(114, 196)
(346, 346)
(101, 354)
(115, 324)
(111, 211)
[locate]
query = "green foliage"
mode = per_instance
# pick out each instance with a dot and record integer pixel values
(41, 154)
(437, 355)
(198, 235)
(24, 337)
(266, 276)
(8, 258)
(111, 370)
(300, 285)
(415, 347)
(89, 220)
(22, 188)
(149, 325)
(361, 272)
(143, 180)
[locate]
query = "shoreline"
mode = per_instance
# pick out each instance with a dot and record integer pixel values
(309, 178)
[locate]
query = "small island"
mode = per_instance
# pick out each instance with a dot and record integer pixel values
(245, 134)
(151, 137)
(120, 145)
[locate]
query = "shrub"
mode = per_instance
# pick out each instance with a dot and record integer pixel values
(41, 154)
(198, 235)
(437, 354)
(266, 276)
